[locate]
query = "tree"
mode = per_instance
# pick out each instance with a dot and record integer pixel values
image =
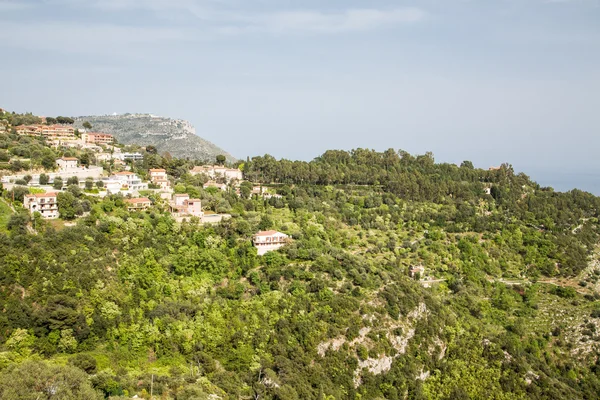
(85, 159)
(17, 223)
(467, 164)
(27, 178)
(16, 166)
(44, 179)
(19, 192)
(89, 183)
(48, 162)
(245, 189)
(73, 181)
(75, 190)
(151, 149)
(99, 184)
(65, 120)
(51, 121)
(39, 380)
(221, 159)
(68, 206)
(87, 125)
(58, 183)
(85, 362)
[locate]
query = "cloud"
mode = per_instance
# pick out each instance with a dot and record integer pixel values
(314, 22)
(85, 38)
(13, 5)
(231, 17)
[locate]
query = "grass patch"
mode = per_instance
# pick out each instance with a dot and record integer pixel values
(5, 213)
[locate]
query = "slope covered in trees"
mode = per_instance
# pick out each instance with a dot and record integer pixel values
(129, 303)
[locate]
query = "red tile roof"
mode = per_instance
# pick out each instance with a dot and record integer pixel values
(266, 233)
(138, 200)
(157, 170)
(41, 195)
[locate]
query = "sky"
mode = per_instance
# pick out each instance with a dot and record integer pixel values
(490, 81)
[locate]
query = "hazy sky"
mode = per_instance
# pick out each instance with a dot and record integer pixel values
(487, 80)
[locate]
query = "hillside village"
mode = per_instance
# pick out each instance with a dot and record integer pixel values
(92, 165)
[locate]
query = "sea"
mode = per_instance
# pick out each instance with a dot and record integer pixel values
(564, 181)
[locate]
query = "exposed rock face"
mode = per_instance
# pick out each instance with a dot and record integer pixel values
(383, 362)
(177, 137)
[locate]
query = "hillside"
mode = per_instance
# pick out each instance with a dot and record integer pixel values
(404, 279)
(177, 137)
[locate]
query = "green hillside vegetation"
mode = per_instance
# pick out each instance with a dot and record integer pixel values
(5, 213)
(125, 304)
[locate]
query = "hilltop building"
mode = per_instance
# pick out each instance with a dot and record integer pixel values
(44, 203)
(266, 241)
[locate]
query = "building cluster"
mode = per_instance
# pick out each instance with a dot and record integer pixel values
(54, 134)
(129, 184)
(58, 135)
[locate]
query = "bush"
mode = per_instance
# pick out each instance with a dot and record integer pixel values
(84, 362)
(39, 380)
(564, 292)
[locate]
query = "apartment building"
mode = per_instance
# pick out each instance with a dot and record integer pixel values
(159, 177)
(44, 203)
(97, 138)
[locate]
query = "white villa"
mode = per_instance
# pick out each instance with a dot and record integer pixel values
(129, 180)
(220, 186)
(218, 171)
(67, 163)
(266, 241)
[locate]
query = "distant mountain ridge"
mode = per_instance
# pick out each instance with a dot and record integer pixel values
(178, 137)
